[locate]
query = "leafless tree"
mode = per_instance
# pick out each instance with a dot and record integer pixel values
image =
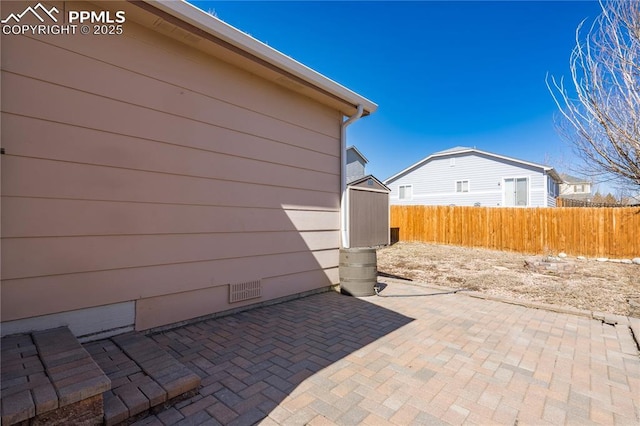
(598, 198)
(602, 118)
(610, 199)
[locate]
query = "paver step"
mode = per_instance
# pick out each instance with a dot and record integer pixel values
(143, 375)
(48, 377)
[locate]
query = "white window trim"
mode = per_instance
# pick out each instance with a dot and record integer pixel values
(547, 191)
(528, 178)
(411, 192)
(455, 186)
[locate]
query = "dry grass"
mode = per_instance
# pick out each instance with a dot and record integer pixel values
(596, 286)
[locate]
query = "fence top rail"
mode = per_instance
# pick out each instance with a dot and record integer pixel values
(570, 202)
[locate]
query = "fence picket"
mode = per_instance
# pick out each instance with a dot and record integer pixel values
(586, 231)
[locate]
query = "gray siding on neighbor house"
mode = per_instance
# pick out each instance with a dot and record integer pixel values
(355, 166)
(434, 182)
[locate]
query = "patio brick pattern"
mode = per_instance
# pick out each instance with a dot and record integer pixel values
(441, 359)
(142, 374)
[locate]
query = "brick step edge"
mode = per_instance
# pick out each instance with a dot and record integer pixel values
(48, 375)
(143, 374)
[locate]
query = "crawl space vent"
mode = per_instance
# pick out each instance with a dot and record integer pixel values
(244, 291)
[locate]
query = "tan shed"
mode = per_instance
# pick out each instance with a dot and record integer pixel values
(176, 170)
(368, 212)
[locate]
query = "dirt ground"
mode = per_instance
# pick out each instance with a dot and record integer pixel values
(597, 286)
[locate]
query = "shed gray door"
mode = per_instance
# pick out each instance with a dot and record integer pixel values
(368, 218)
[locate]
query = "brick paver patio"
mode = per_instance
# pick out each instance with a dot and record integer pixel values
(441, 359)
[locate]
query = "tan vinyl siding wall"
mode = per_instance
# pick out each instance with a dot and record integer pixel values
(138, 168)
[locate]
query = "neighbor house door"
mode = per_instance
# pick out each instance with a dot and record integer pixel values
(516, 192)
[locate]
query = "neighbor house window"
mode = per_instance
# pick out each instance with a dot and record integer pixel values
(516, 192)
(462, 186)
(405, 191)
(578, 188)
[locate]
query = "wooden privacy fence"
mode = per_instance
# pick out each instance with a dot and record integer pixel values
(595, 232)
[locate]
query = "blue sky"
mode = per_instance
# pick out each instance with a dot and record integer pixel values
(443, 73)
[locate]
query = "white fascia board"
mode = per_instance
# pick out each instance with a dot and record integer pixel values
(515, 160)
(192, 15)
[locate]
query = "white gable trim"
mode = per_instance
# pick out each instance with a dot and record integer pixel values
(465, 151)
(357, 151)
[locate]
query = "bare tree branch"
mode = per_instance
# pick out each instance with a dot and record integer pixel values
(602, 121)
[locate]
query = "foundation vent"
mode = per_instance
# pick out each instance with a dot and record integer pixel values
(244, 291)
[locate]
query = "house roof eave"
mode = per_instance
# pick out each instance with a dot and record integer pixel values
(554, 174)
(463, 150)
(367, 177)
(357, 151)
(572, 180)
(260, 52)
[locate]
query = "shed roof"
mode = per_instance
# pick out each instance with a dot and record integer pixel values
(463, 150)
(294, 75)
(366, 178)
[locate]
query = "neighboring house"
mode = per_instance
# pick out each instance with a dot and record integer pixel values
(575, 188)
(633, 200)
(174, 171)
(356, 164)
(464, 176)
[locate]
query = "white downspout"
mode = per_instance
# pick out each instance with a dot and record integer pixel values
(344, 222)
